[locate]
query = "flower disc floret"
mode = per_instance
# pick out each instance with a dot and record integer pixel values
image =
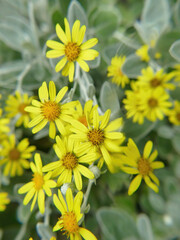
(96, 136)
(14, 154)
(70, 161)
(50, 110)
(72, 51)
(70, 225)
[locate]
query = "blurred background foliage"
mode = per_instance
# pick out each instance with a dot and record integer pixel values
(121, 27)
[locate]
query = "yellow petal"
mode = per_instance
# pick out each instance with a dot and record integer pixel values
(71, 71)
(52, 90)
(78, 179)
(67, 30)
(83, 65)
(75, 31)
(60, 64)
(69, 199)
(41, 201)
(89, 44)
(86, 234)
(147, 149)
(150, 184)
(61, 35)
(61, 94)
(55, 53)
(134, 184)
(55, 45)
(81, 35)
(52, 130)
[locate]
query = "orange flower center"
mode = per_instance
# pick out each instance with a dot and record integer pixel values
(14, 154)
(178, 116)
(38, 180)
(22, 107)
(155, 82)
(96, 136)
(50, 110)
(72, 51)
(70, 161)
(153, 102)
(70, 224)
(83, 120)
(144, 167)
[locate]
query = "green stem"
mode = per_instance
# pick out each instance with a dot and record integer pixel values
(86, 195)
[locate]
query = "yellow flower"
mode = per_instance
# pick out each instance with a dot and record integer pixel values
(50, 110)
(15, 106)
(132, 104)
(40, 183)
(15, 156)
(154, 104)
(72, 49)
(151, 80)
(174, 114)
(142, 52)
(143, 166)
(71, 160)
(4, 200)
(114, 70)
(99, 137)
(71, 216)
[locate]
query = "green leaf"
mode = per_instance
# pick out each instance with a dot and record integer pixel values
(12, 67)
(105, 22)
(94, 63)
(75, 11)
(44, 231)
(116, 224)
(133, 66)
(163, 45)
(154, 20)
(175, 50)
(109, 98)
(144, 227)
(157, 202)
(23, 213)
(176, 143)
(137, 131)
(176, 13)
(164, 146)
(165, 132)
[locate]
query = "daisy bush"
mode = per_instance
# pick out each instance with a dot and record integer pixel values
(89, 120)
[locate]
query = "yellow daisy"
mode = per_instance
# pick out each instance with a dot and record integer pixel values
(174, 114)
(70, 209)
(141, 165)
(155, 104)
(142, 52)
(39, 185)
(14, 157)
(4, 200)
(151, 80)
(15, 106)
(72, 49)
(99, 137)
(114, 70)
(49, 109)
(132, 104)
(71, 160)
